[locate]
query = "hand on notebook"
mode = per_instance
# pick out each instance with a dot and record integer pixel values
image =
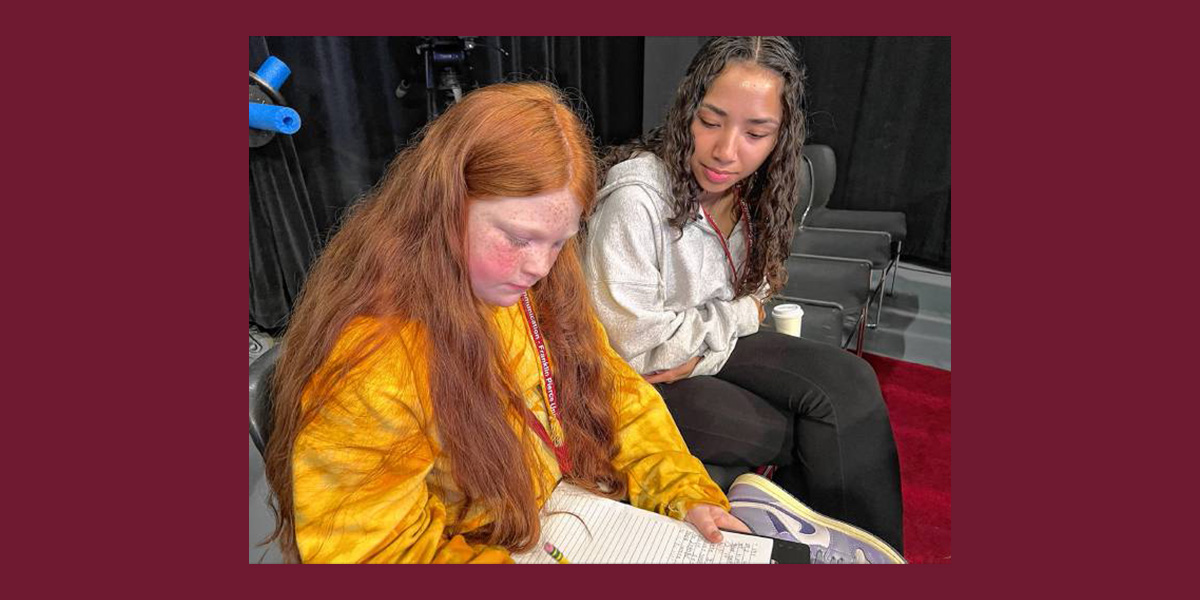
(711, 519)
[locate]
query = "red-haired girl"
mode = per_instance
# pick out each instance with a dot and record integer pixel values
(443, 368)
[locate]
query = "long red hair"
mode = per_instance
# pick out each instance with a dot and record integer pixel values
(400, 256)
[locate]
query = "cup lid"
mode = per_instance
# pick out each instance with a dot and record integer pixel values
(787, 310)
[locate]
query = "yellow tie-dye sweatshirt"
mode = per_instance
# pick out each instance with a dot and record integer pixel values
(372, 485)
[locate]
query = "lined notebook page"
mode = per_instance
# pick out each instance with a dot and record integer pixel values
(590, 529)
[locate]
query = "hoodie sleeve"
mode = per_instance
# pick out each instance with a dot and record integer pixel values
(627, 239)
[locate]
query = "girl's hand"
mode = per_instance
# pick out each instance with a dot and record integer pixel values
(673, 375)
(710, 519)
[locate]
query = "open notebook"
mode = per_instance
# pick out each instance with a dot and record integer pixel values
(587, 528)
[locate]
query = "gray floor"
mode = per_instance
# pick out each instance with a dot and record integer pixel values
(915, 323)
(914, 326)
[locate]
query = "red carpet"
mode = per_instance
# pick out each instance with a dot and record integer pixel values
(918, 399)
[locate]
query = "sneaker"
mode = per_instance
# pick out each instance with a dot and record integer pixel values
(770, 511)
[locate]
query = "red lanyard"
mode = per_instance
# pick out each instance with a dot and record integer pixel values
(725, 246)
(558, 442)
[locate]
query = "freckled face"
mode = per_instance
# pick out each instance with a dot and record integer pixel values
(736, 126)
(513, 242)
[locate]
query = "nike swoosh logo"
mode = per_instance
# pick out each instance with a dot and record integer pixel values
(806, 528)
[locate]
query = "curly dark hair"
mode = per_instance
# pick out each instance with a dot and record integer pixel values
(770, 192)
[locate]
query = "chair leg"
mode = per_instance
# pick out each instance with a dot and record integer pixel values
(891, 266)
(860, 329)
(895, 267)
(877, 296)
(862, 325)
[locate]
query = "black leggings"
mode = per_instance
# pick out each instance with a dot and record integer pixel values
(812, 409)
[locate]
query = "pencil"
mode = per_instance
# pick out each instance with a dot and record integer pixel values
(556, 554)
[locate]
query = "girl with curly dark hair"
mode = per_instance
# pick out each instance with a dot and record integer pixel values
(690, 238)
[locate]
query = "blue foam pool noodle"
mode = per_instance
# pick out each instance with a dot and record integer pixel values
(274, 118)
(273, 72)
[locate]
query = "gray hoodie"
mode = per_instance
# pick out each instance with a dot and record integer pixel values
(662, 298)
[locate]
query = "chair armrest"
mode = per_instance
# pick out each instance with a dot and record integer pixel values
(812, 302)
(893, 222)
(843, 281)
(873, 246)
(823, 321)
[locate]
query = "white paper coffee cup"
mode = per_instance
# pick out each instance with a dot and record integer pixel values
(788, 318)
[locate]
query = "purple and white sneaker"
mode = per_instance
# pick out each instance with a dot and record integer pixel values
(770, 511)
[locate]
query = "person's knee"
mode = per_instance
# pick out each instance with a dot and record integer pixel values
(845, 366)
(860, 370)
(858, 385)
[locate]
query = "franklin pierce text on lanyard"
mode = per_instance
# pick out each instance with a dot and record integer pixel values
(558, 441)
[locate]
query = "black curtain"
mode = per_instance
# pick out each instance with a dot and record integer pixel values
(883, 105)
(360, 101)
(605, 72)
(284, 223)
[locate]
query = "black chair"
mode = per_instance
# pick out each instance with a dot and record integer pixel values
(821, 167)
(869, 246)
(836, 291)
(261, 371)
(824, 321)
(824, 165)
(829, 273)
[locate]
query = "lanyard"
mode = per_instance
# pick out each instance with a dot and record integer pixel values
(557, 442)
(725, 246)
